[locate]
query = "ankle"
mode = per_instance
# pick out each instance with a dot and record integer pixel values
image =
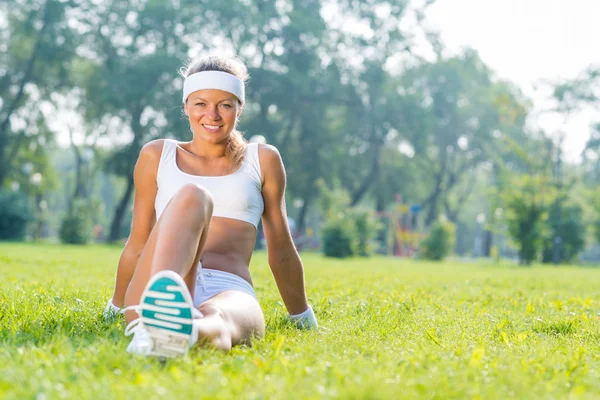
(117, 301)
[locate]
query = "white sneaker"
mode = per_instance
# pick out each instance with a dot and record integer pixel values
(142, 342)
(166, 325)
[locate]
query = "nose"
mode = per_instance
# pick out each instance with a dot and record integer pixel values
(213, 113)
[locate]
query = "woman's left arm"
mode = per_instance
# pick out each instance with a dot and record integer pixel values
(284, 260)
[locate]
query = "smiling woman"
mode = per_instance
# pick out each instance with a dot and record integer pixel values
(230, 76)
(183, 277)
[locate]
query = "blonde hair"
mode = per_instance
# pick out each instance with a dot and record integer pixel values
(236, 147)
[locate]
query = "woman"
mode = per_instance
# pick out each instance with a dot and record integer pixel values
(184, 273)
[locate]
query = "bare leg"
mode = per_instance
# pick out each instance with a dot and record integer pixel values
(175, 242)
(230, 318)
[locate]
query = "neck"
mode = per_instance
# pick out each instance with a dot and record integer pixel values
(207, 150)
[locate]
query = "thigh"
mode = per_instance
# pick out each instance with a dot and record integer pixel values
(241, 313)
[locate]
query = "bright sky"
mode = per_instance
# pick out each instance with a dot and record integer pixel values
(526, 42)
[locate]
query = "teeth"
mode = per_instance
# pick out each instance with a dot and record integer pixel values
(212, 126)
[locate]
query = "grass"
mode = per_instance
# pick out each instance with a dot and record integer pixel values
(390, 329)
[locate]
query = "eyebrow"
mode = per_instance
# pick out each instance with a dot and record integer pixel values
(200, 98)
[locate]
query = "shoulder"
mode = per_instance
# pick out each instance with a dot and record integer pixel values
(149, 157)
(151, 151)
(269, 157)
(153, 147)
(271, 165)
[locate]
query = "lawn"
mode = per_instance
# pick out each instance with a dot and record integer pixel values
(390, 329)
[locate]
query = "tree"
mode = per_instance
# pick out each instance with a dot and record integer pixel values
(38, 46)
(578, 93)
(322, 111)
(456, 116)
(567, 223)
(527, 202)
(130, 75)
(293, 90)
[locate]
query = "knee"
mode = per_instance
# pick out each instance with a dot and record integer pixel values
(195, 197)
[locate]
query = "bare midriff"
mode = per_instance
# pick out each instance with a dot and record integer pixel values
(229, 246)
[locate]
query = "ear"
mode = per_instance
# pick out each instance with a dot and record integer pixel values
(239, 111)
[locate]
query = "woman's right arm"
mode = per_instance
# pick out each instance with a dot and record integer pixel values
(144, 216)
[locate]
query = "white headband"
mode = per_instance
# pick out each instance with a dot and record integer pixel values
(213, 80)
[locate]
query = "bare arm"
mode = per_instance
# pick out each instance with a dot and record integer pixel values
(144, 217)
(284, 260)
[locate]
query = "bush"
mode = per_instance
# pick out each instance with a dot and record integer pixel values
(527, 202)
(76, 227)
(571, 229)
(14, 215)
(339, 238)
(440, 241)
(349, 232)
(366, 227)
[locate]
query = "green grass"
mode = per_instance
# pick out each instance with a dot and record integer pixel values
(390, 328)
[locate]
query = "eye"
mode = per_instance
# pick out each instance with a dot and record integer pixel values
(201, 104)
(227, 105)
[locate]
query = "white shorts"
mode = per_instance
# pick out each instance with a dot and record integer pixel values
(211, 282)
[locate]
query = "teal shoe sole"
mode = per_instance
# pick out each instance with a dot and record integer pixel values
(166, 309)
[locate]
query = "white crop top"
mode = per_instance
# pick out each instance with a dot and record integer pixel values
(237, 195)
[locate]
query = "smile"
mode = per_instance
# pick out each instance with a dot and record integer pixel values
(211, 128)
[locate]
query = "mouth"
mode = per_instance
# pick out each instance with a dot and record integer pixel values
(212, 128)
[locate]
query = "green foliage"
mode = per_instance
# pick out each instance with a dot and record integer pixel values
(350, 234)
(15, 213)
(339, 236)
(76, 227)
(440, 102)
(366, 227)
(569, 224)
(595, 204)
(329, 117)
(37, 46)
(527, 201)
(440, 241)
(580, 92)
(348, 231)
(339, 231)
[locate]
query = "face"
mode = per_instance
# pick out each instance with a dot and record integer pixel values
(212, 114)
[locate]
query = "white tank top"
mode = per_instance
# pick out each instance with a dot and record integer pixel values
(237, 195)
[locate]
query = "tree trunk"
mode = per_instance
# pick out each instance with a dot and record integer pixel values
(488, 242)
(115, 226)
(303, 211)
(370, 178)
(78, 190)
(380, 203)
(131, 154)
(433, 199)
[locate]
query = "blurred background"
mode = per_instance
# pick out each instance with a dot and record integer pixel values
(409, 128)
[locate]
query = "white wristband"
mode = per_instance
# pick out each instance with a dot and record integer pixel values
(306, 320)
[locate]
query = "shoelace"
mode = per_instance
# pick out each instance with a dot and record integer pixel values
(137, 326)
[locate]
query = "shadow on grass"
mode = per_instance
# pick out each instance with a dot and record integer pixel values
(556, 327)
